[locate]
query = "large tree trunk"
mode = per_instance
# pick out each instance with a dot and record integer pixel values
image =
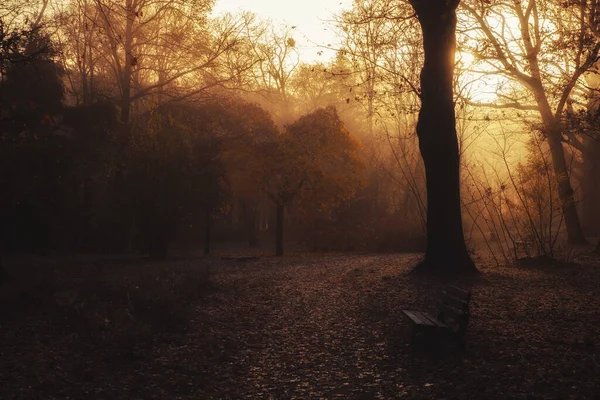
(591, 161)
(279, 232)
(554, 132)
(446, 250)
(565, 190)
(591, 186)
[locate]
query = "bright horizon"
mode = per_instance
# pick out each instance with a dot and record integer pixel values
(313, 29)
(310, 17)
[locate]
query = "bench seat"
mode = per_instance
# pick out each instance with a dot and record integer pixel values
(424, 318)
(452, 319)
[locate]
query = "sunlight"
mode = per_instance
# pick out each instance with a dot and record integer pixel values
(479, 87)
(263, 199)
(310, 17)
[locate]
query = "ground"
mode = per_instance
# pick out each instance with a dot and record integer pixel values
(304, 326)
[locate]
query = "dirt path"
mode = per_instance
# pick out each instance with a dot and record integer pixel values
(302, 331)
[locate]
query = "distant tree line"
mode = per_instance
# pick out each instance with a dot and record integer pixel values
(138, 125)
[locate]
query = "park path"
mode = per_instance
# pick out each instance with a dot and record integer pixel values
(301, 328)
(305, 327)
(331, 327)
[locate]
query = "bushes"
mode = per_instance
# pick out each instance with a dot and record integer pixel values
(350, 228)
(115, 300)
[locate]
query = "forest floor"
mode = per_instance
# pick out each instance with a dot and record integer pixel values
(303, 326)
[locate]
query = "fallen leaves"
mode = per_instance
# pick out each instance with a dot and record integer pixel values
(322, 326)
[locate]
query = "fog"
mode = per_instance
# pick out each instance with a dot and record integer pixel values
(205, 199)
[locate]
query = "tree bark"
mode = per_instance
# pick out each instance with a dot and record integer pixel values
(554, 132)
(446, 251)
(279, 231)
(565, 190)
(591, 186)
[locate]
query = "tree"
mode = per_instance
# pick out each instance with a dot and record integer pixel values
(366, 38)
(545, 48)
(30, 93)
(175, 169)
(80, 37)
(593, 111)
(150, 48)
(582, 126)
(314, 161)
(31, 80)
(252, 131)
(316, 87)
(273, 57)
(436, 128)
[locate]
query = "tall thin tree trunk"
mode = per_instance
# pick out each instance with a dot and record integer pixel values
(130, 61)
(446, 250)
(84, 86)
(279, 232)
(91, 74)
(566, 193)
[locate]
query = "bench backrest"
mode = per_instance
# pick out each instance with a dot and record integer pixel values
(454, 308)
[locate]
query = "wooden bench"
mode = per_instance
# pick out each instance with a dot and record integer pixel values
(451, 321)
(524, 245)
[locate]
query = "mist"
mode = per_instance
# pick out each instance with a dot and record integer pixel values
(279, 200)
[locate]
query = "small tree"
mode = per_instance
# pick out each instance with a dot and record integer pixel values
(176, 168)
(246, 155)
(314, 161)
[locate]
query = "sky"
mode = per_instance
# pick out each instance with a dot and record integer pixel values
(310, 17)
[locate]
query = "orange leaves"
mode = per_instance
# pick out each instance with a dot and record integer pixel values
(322, 160)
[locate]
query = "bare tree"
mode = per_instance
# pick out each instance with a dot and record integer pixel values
(517, 41)
(366, 37)
(163, 49)
(275, 59)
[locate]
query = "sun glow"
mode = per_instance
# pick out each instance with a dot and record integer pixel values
(311, 19)
(480, 87)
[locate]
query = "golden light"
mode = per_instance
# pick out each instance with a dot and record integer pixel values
(311, 19)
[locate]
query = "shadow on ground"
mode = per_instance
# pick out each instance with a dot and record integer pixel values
(305, 326)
